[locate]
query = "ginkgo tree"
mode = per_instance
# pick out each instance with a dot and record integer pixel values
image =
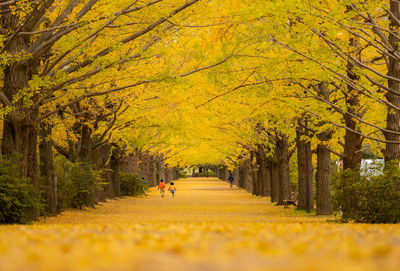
(239, 84)
(50, 46)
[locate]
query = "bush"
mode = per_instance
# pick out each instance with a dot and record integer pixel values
(77, 184)
(369, 198)
(19, 202)
(380, 197)
(211, 173)
(132, 185)
(345, 192)
(181, 173)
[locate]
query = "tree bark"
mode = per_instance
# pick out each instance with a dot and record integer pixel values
(323, 174)
(20, 127)
(158, 170)
(175, 173)
(352, 153)
(282, 155)
(268, 175)
(305, 171)
(352, 150)
(85, 142)
(352, 141)
(236, 176)
(249, 176)
(47, 168)
(392, 151)
(242, 174)
(254, 173)
(274, 181)
(115, 165)
(323, 180)
(261, 172)
(98, 158)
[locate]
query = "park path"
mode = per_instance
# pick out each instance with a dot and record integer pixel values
(208, 226)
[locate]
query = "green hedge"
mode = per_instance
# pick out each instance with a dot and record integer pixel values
(132, 185)
(182, 174)
(19, 203)
(369, 198)
(77, 183)
(211, 173)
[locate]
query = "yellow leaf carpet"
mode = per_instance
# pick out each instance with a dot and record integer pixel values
(208, 226)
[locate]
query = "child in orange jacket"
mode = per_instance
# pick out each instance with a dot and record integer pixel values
(161, 187)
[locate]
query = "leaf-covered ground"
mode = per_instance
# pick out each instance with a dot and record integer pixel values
(208, 226)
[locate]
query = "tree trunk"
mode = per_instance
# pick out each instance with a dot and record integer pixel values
(47, 168)
(168, 174)
(305, 171)
(152, 171)
(162, 171)
(242, 174)
(226, 173)
(268, 176)
(392, 151)
(266, 186)
(274, 181)
(20, 127)
(249, 179)
(115, 165)
(352, 153)
(254, 175)
(323, 173)
(98, 157)
(20, 145)
(236, 176)
(352, 156)
(141, 164)
(166, 170)
(261, 172)
(352, 141)
(323, 180)
(175, 173)
(282, 154)
(352, 149)
(85, 144)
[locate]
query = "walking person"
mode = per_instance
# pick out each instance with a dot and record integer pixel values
(161, 187)
(172, 189)
(231, 179)
(144, 187)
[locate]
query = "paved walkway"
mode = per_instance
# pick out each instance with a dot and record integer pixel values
(207, 226)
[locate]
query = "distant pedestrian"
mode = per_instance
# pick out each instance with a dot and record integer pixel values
(172, 189)
(144, 186)
(161, 187)
(231, 179)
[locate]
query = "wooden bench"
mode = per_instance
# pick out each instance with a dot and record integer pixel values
(291, 201)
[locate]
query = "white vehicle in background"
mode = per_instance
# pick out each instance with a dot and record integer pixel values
(372, 167)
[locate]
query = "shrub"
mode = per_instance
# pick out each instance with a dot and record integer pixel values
(181, 173)
(211, 173)
(77, 184)
(369, 198)
(19, 202)
(345, 192)
(132, 185)
(380, 197)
